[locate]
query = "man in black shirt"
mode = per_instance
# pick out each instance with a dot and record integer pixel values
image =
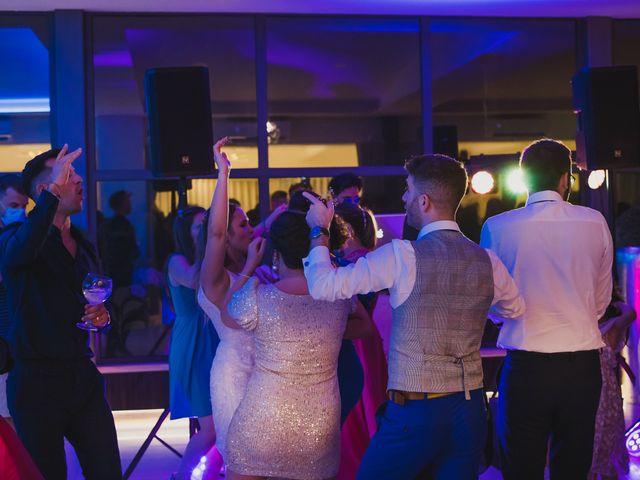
(54, 390)
(121, 246)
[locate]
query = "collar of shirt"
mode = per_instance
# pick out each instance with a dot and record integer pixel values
(439, 225)
(544, 196)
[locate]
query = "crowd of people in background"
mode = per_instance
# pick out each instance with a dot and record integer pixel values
(276, 347)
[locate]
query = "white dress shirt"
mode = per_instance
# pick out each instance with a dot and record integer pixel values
(393, 266)
(560, 256)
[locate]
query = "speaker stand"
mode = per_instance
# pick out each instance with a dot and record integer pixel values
(152, 434)
(182, 193)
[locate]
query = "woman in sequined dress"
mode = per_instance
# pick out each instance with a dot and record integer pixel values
(287, 425)
(229, 254)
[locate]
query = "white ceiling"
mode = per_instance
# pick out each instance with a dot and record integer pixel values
(510, 8)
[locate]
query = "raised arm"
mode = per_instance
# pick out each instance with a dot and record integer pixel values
(21, 246)
(213, 277)
(376, 271)
(230, 316)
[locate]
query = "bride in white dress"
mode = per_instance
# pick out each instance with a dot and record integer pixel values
(230, 252)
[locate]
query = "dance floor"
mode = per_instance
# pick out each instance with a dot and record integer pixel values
(158, 463)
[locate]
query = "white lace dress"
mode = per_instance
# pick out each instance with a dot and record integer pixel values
(230, 370)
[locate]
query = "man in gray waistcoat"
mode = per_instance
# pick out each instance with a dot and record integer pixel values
(442, 287)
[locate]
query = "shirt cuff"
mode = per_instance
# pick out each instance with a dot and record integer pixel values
(318, 255)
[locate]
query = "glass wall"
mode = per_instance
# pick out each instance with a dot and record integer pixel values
(337, 94)
(500, 83)
(344, 92)
(124, 48)
(24, 89)
(626, 186)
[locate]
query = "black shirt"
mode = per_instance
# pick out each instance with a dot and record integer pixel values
(44, 286)
(120, 250)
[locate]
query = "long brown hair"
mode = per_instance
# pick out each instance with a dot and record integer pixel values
(184, 244)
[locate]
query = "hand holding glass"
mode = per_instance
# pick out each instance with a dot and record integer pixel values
(96, 289)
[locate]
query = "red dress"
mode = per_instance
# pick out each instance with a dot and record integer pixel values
(360, 425)
(15, 462)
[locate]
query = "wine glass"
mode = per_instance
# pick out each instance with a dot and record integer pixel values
(96, 289)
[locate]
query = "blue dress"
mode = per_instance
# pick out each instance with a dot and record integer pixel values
(350, 371)
(193, 345)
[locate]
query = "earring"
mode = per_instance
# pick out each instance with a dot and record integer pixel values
(275, 261)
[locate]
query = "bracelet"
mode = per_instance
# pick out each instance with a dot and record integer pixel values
(245, 276)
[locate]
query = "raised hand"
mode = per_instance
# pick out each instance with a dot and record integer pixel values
(319, 214)
(221, 159)
(255, 253)
(62, 167)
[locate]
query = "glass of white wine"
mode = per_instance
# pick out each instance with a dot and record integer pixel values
(96, 289)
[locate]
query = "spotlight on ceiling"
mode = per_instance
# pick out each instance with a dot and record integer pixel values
(515, 181)
(482, 182)
(596, 179)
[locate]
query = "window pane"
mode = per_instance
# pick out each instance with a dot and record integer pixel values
(24, 91)
(125, 47)
(135, 239)
(380, 194)
(343, 92)
(501, 83)
(626, 38)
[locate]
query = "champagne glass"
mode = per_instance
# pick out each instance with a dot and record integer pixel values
(96, 289)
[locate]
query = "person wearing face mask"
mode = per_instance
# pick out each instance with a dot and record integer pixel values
(13, 202)
(346, 188)
(560, 256)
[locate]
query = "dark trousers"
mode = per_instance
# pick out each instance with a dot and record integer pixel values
(548, 400)
(442, 438)
(51, 400)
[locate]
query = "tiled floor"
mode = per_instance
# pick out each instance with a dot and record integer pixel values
(158, 463)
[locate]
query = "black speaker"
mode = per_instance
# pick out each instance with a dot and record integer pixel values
(605, 100)
(445, 140)
(179, 115)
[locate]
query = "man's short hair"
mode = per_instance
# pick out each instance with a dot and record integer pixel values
(117, 199)
(340, 183)
(279, 195)
(443, 178)
(543, 162)
(34, 168)
(11, 180)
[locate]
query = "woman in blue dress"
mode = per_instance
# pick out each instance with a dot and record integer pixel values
(193, 341)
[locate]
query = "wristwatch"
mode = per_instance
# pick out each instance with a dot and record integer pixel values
(317, 231)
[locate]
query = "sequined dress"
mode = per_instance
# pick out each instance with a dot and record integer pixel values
(288, 424)
(230, 370)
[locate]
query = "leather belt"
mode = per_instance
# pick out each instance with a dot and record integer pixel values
(400, 397)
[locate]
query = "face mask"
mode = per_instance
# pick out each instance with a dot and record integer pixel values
(12, 215)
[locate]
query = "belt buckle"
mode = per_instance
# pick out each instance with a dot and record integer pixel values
(397, 397)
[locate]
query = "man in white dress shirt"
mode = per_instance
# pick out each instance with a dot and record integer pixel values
(441, 288)
(560, 256)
